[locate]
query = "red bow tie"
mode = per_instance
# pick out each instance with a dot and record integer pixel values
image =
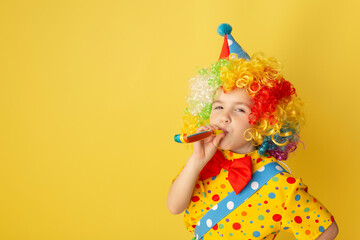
(239, 170)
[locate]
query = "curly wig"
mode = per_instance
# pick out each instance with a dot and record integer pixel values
(277, 111)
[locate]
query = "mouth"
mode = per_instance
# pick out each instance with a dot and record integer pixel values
(222, 129)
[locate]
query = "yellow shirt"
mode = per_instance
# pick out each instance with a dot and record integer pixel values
(283, 203)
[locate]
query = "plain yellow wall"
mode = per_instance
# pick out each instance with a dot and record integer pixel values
(92, 93)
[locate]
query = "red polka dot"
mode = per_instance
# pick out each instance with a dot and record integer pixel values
(320, 208)
(230, 153)
(317, 221)
(315, 200)
(249, 205)
(332, 218)
(277, 217)
(207, 208)
(194, 226)
(298, 219)
(195, 198)
(215, 227)
(197, 185)
(307, 232)
(306, 189)
(236, 226)
(291, 180)
(215, 198)
(266, 202)
(258, 160)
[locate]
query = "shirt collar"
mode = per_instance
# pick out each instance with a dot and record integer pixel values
(256, 159)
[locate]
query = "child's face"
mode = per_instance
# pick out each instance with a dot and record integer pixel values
(230, 112)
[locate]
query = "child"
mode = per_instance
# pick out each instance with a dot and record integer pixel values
(233, 186)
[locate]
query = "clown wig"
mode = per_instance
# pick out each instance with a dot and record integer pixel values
(277, 112)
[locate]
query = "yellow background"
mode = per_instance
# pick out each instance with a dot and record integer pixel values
(92, 93)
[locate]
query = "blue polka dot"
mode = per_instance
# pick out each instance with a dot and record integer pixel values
(286, 228)
(256, 234)
(321, 229)
(297, 197)
(186, 211)
(213, 178)
(272, 195)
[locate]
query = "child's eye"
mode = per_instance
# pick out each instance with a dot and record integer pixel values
(218, 107)
(239, 110)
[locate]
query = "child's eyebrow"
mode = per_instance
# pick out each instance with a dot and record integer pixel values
(235, 103)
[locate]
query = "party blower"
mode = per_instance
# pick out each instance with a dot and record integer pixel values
(184, 138)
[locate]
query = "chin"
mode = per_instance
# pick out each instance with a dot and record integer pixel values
(225, 146)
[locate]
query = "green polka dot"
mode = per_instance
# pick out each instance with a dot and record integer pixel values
(204, 195)
(286, 188)
(230, 234)
(210, 233)
(271, 226)
(306, 209)
(221, 226)
(261, 217)
(275, 179)
(292, 211)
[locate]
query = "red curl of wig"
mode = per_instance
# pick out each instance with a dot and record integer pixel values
(267, 99)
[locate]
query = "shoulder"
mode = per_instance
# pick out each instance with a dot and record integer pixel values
(260, 161)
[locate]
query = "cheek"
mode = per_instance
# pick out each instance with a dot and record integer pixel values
(212, 118)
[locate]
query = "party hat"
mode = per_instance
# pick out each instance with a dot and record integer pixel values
(230, 45)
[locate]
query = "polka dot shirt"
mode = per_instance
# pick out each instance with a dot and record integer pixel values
(282, 204)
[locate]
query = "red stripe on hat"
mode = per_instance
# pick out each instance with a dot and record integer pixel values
(225, 52)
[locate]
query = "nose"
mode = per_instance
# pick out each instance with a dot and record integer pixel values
(225, 117)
